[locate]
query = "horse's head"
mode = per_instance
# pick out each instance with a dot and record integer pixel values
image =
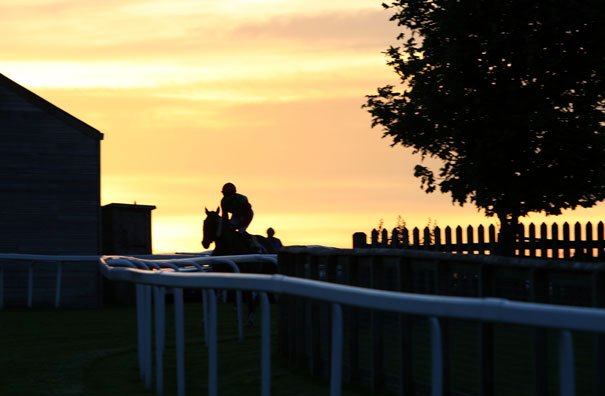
(212, 227)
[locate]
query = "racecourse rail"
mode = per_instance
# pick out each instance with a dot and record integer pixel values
(154, 276)
(172, 274)
(36, 259)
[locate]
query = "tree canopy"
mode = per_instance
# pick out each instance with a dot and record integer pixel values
(508, 94)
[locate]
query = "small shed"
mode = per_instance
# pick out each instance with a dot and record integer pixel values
(127, 229)
(49, 177)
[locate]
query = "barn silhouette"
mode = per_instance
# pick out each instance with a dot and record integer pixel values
(50, 201)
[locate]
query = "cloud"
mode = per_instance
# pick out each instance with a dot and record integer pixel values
(137, 30)
(109, 29)
(360, 28)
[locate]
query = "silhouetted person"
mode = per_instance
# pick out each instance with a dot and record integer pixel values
(275, 242)
(238, 206)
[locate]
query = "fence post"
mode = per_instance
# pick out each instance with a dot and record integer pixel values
(286, 307)
(544, 242)
(439, 361)
(588, 244)
(448, 239)
(395, 243)
(459, 246)
(532, 240)
(443, 288)
(265, 345)
(336, 351)
(567, 374)
(313, 321)
(539, 294)
(416, 238)
(58, 279)
(598, 301)
(1, 285)
(140, 330)
(555, 240)
(427, 238)
(601, 240)
(405, 237)
(406, 377)
(566, 241)
(212, 345)
(299, 338)
(470, 240)
(352, 278)
(481, 239)
(377, 328)
(492, 238)
(486, 334)
(360, 240)
(329, 263)
(437, 242)
(384, 238)
(30, 284)
(374, 238)
(577, 241)
(159, 302)
(521, 240)
(147, 335)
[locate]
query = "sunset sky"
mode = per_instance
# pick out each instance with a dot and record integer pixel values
(266, 94)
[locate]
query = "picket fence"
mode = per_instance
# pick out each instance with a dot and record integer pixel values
(584, 243)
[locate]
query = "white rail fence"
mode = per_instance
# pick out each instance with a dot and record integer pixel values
(46, 263)
(154, 277)
(32, 261)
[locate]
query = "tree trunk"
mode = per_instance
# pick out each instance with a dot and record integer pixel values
(509, 226)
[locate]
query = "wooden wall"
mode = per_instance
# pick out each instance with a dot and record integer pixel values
(49, 177)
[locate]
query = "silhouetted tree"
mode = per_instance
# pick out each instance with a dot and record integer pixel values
(509, 95)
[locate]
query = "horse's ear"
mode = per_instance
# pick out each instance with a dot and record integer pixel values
(218, 210)
(206, 209)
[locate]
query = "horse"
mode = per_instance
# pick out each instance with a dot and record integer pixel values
(227, 242)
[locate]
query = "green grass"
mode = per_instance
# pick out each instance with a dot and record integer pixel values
(93, 352)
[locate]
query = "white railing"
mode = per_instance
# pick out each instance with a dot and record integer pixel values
(33, 260)
(185, 265)
(121, 269)
(563, 318)
(36, 259)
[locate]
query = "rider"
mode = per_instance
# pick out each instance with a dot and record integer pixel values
(239, 207)
(275, 242)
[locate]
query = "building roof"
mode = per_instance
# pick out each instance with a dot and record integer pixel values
(134, 206)
(48, 107)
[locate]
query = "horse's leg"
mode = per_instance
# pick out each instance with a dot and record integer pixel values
(252, 300)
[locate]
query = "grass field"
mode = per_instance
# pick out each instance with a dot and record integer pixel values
(93, 352)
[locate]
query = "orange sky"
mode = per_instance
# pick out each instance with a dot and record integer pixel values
(264, 93)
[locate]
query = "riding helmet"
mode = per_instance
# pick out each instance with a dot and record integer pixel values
(229, 188)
